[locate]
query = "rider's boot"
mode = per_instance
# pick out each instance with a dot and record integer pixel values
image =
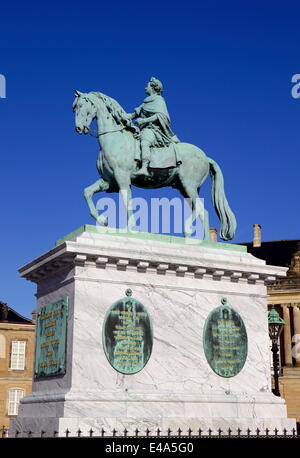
(145, 146)
(144, 169)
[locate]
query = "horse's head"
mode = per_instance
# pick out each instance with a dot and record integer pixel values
(85, 112)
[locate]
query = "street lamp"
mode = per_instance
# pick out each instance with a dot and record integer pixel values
(276, 324)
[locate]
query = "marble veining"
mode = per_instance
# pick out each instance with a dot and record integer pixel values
(177, 387)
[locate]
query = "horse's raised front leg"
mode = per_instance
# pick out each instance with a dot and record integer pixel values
(99, 185)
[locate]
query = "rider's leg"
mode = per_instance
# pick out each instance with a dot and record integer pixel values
(147, 138)
(145, 146)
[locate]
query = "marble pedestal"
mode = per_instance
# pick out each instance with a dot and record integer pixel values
(179, 284)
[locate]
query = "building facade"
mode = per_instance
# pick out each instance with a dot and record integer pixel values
(16, 361)
(284, 295)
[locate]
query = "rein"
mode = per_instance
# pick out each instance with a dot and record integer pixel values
(103, 133)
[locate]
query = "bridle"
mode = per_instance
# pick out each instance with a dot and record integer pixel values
(98, 134)
(106, 132)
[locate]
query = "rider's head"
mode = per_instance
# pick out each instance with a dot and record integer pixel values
(156, 85)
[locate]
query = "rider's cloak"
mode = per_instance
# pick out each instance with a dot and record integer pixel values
(155, 105)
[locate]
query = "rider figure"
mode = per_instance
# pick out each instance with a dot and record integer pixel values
(154, 122)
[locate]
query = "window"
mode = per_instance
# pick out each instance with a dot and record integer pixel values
(17, 358)
(14, 397)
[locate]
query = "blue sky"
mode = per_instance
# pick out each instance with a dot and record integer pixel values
(226, 67)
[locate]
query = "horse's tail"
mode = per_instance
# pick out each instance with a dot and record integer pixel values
(226, 216)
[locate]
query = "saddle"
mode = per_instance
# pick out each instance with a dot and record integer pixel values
(162, 157)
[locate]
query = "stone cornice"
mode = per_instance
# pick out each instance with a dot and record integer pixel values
(16, 326)
(111, 252)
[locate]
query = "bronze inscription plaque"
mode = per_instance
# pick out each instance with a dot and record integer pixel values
(127, 335)
(51, 339)
(225, 341)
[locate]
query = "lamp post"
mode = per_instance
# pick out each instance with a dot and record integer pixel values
(276, 324)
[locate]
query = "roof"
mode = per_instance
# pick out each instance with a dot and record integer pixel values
(8, 315)
(276, 252)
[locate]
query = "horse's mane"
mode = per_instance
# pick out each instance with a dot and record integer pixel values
(114, 108)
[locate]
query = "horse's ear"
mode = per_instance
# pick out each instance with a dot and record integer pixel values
(77, 93)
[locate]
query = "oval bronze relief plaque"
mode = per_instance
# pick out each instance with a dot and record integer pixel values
(127, 335)
(225, 341)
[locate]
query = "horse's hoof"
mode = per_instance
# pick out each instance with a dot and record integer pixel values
(102, 220)
(187, 232)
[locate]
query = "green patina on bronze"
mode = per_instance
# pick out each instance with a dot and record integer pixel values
(225, 341)
(127, 335)
(140, 149)
(148, 236)
(51, 339)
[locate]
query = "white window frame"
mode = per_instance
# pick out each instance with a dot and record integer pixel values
(13, 401)
(18, 355)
